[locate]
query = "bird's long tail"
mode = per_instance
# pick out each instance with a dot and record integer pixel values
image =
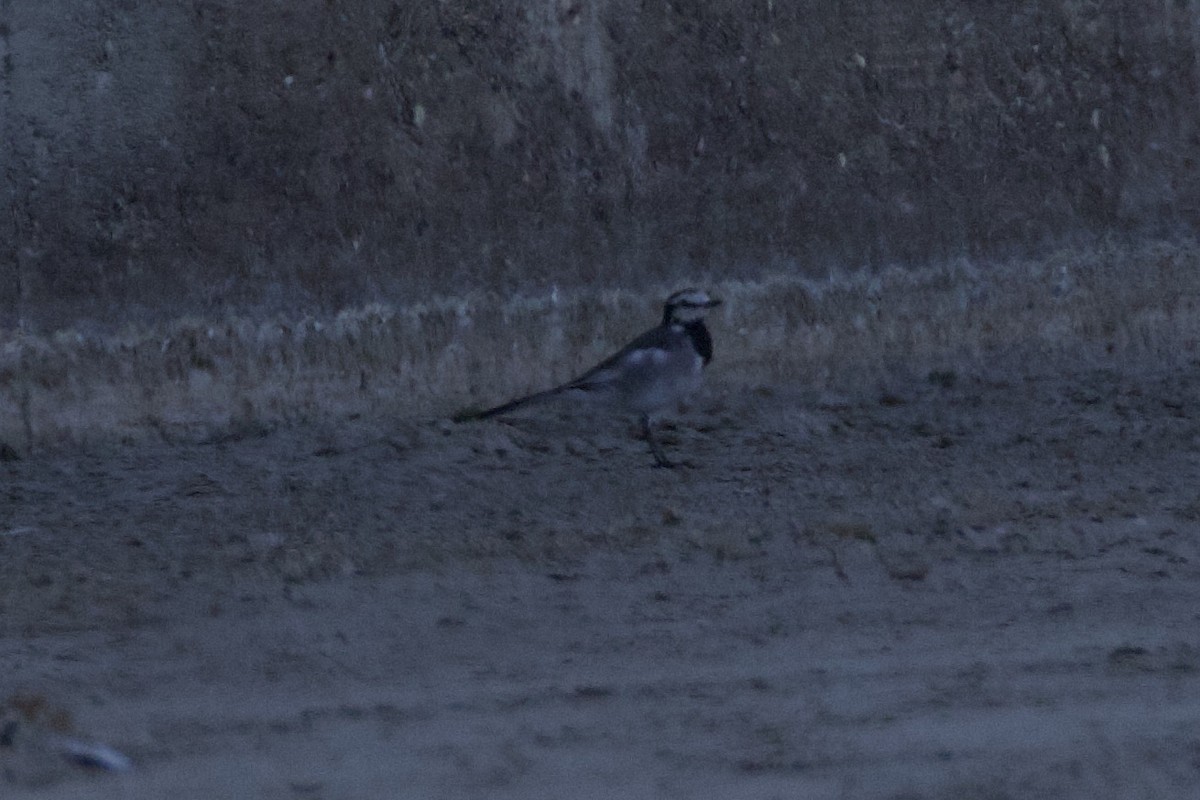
(511, 405)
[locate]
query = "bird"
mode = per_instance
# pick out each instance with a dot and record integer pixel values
(651, 375)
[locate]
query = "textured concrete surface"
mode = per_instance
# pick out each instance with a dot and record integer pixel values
(214, 155)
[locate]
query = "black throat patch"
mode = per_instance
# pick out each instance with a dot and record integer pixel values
(697, 331)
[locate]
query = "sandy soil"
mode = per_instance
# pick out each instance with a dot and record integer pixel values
(955, 586)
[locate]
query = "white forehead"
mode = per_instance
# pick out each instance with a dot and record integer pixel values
(689, 297)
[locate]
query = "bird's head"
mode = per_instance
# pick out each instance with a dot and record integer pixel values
(687, 305)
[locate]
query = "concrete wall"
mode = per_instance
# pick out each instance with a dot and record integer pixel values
(213, 157)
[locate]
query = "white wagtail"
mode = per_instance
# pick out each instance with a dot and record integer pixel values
(651, 375)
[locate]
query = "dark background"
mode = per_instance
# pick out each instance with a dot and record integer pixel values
(216, 156)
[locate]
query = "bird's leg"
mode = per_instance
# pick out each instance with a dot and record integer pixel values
(660, 460)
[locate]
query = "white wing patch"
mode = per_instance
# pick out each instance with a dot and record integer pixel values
(654, 355)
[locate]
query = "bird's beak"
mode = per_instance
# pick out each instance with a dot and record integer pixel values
(713, 302)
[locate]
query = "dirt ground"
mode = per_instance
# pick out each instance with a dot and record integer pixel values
(958, 585)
